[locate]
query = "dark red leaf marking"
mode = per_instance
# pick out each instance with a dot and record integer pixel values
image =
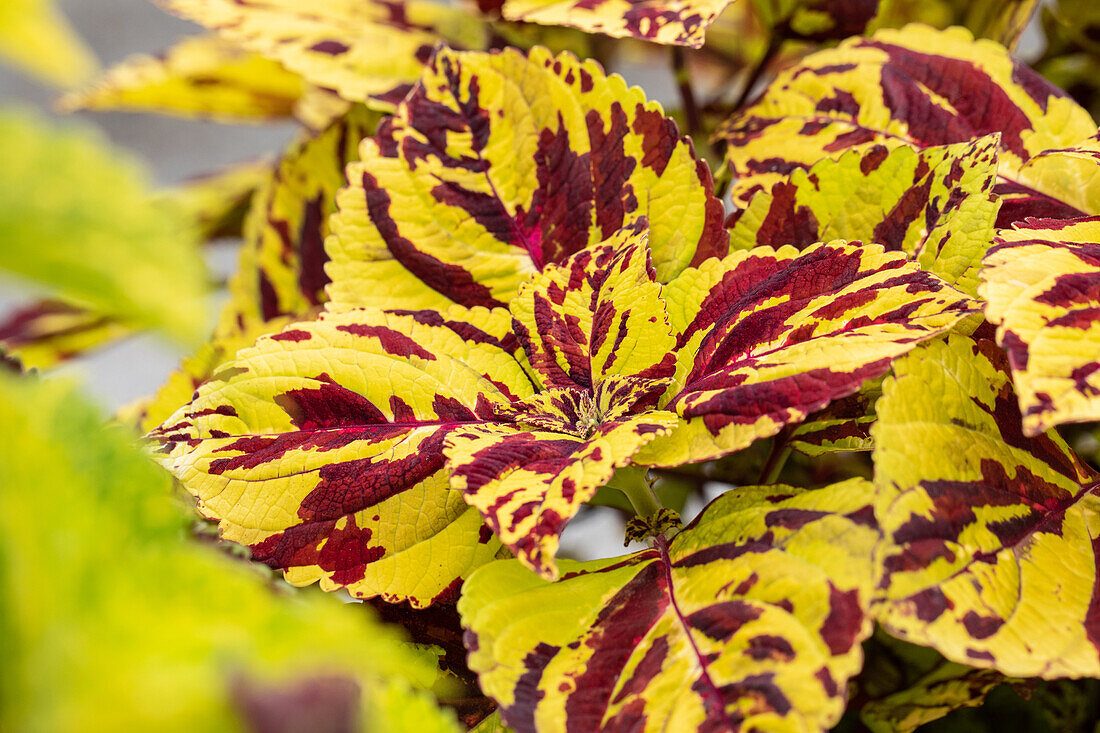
(452, 281)
(844, 622)
(328, 406)
(392, 342)
(311, 251)
(332, 48)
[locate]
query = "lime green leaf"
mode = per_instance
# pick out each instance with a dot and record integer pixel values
(916, 87)
(38, 38)
(321, 447)
(77, 217)
(366, 50)
(499, 164)
(936, 205)
(199, 77)
(982, 526)
(111, 621)
(766, 337)
(281, 268)
(1042, 283)
(734, 625)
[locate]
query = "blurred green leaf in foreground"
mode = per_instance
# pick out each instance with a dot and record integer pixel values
(111, 620)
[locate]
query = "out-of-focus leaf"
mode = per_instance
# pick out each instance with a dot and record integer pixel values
(200, 77)
(949, 686)
(817, 20)
(38, 38)
(1000, 20)
(499, 164)
(281, 267)
(981, 525)
(1042, 284)
(915, 87)
(217, 202)
(48, 332)
(367, 51)
(674, 22)
(936, 205)
(321, 448)
(78, 218)
(749, 619)
(112, 622)
(765, 337)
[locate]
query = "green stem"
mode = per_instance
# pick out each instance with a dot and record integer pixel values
(777, 459)
(635, 483)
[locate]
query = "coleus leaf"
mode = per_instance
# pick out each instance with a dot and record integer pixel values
(947, 687)
(673, 22)
(1042, 284)
(596, 337)
(915, 87)
(766, 337)
(281, 268)
(499, 164)
(199, 77)
(47, 332)
(36, 37)
(217, 202)
(936, 205)
(334, 474)
(845, 425)
(77, 196)
(817, 20)
(981, 525)
(735, 624)
(165, 634)
(368, 51)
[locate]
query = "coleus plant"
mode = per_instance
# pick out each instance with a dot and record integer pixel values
(493, 286)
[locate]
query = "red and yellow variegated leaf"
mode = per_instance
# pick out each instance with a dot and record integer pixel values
(766, 337)
(321, 448)
(528, 483)
(734, 625)
(675, 22)
(281, 269)
(598, 315)
(1042, 282)
(948, 687)
(365, 50)
(218, 202)
(916, 87)
(936, 205)
(845, 425)
(498, 164)
(982, 526)
(45, 333)
(201, 76)
(597, 339)
(1073, 171)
